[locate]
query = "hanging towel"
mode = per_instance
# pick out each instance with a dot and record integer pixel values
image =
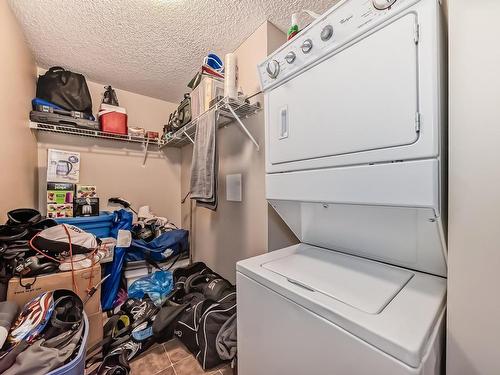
(205, 166)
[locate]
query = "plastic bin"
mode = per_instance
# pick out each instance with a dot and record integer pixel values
(100, 225)
(135, 270)
(77, 365)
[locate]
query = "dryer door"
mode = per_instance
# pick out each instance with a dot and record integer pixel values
(364, 97)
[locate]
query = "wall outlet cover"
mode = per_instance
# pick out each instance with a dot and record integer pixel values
(233, 187)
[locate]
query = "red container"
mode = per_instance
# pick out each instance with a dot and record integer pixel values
(114, 122)
(113, 119)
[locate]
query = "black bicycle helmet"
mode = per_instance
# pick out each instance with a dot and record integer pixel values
(67, 314)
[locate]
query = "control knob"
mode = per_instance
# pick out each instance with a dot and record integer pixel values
(290, 57)
(326, 33)
(273, 69)
(383, 4)
(307, 46)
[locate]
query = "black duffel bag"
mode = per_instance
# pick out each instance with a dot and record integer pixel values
(66, 89)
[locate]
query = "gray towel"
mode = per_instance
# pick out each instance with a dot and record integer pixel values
(204, 167)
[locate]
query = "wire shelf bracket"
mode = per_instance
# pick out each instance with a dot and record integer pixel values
(228, 111)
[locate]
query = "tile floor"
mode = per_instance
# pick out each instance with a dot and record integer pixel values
(171, 358)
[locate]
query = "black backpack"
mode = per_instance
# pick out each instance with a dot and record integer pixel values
(209, 336)
(65, 89)
(201, 314)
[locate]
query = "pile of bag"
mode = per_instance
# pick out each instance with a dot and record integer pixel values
(31, 245)
(16, 256)
(46, 335)
(200, 311)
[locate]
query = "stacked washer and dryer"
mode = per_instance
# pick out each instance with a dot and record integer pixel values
(355, 165)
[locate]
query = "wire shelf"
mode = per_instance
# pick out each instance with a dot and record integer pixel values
(227, 109)
(65, 129)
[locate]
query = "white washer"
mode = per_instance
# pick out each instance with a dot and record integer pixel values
(355, 166)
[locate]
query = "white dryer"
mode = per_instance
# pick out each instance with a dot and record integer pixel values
(355, 148)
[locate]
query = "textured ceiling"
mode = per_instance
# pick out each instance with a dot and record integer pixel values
(151, 47)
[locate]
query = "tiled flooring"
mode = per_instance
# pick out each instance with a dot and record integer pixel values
(171, 358)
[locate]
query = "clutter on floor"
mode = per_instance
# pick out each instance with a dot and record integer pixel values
(39, 255)
(192, 303)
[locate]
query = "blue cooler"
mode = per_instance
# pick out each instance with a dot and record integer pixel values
(77, 365)
(100, 225)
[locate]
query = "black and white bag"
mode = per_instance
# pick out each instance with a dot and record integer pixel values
(213, 331)
(207, 324)
(56, 240)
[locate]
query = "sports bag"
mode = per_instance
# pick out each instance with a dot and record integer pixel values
(160, 249)
(66, 89)
(211, 329)
(64, 240)
(203, 326)
(187, 324)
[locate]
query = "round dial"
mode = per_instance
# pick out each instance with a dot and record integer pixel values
(383, 4)
(273, 69)
(307, 46)
(326, 33)
(290, 57)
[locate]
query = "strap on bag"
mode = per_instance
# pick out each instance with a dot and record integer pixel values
(57, 69)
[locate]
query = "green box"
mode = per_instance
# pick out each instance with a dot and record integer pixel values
(60, 193)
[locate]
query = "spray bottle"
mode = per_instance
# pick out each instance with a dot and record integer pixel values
(294, 28)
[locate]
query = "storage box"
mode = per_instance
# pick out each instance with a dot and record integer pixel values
(208, 89)
(86, 191)
(86, 207)
(84, 279)
(100, 225)
(113, 119)
(95, 329)
(63, 166)
(55, 211)
(60, 192)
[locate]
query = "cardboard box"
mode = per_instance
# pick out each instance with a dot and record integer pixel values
(86, 191)
(86, 207)
(95, 329)
(60, 192)
(63, 166)
(55, 211)
(84, 279)
(202, 95)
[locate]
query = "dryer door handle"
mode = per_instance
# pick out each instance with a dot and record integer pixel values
(283, 123)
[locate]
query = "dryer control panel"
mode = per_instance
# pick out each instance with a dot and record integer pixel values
(331, 31)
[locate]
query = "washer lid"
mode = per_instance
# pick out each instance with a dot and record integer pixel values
(365, 285)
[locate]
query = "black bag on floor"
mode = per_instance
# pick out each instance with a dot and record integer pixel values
(187, 322)
(66, 89)
(211, 302)
(209, 337)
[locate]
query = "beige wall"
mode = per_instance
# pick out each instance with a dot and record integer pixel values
(17, 88)
(237, 230)
(116, 167)
(474, 179)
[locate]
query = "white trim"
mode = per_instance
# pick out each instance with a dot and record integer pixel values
(186, 325)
